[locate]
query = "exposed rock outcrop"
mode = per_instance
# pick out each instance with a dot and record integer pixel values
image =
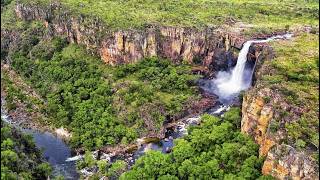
(210, 48)
(211, 45)
(63, 133)
(284, 161)
(256, 116)
(259, 112)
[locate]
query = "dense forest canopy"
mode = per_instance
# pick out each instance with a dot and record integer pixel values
(214, 150)
(103, 105)
(19, 156)
(100, 104)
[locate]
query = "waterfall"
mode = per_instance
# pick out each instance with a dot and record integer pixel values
(237, 73)
(229, 84)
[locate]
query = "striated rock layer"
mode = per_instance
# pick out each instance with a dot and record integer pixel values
(258, 112)
(211, 45)
(210, 48)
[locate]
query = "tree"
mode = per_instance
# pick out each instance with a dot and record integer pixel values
(20, 159)
(214, 150)
(42, 171)
(117, 168)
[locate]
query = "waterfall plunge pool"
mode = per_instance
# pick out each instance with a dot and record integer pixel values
(227, 86)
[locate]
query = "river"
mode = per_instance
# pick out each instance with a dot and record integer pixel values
(227, 85)
(54, 149)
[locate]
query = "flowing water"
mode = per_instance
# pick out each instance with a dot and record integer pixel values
(227, 85)
(54, 149)
(56, 152)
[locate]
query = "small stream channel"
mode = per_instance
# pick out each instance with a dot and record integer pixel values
(227, 85)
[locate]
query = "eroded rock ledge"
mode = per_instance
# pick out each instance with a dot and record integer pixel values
(258, 112)
(212, 46)
(209, 48)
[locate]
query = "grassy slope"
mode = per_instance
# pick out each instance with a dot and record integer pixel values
(294, 74)
(198, 13)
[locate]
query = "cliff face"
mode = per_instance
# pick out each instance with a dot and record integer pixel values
(284, 161)
(211, 45)
(262, 107)
(210, 48)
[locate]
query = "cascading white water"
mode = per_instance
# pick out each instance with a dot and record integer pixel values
(237, 72)
(229, 84)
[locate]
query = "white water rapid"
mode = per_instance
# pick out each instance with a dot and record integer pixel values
(229, 84)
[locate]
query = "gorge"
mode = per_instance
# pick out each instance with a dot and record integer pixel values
(226, 86)
(115, 94)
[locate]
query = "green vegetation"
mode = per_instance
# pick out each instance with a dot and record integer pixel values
(5, 2)
(294, 74)
(101, 105)
(263, 14)
(17, 95)
(214, 150)
(14, 92)
(20, 159)
(110, 170)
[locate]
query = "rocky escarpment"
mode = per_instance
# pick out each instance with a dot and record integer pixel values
(262, 109)
(210, 47)
(284, 161)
